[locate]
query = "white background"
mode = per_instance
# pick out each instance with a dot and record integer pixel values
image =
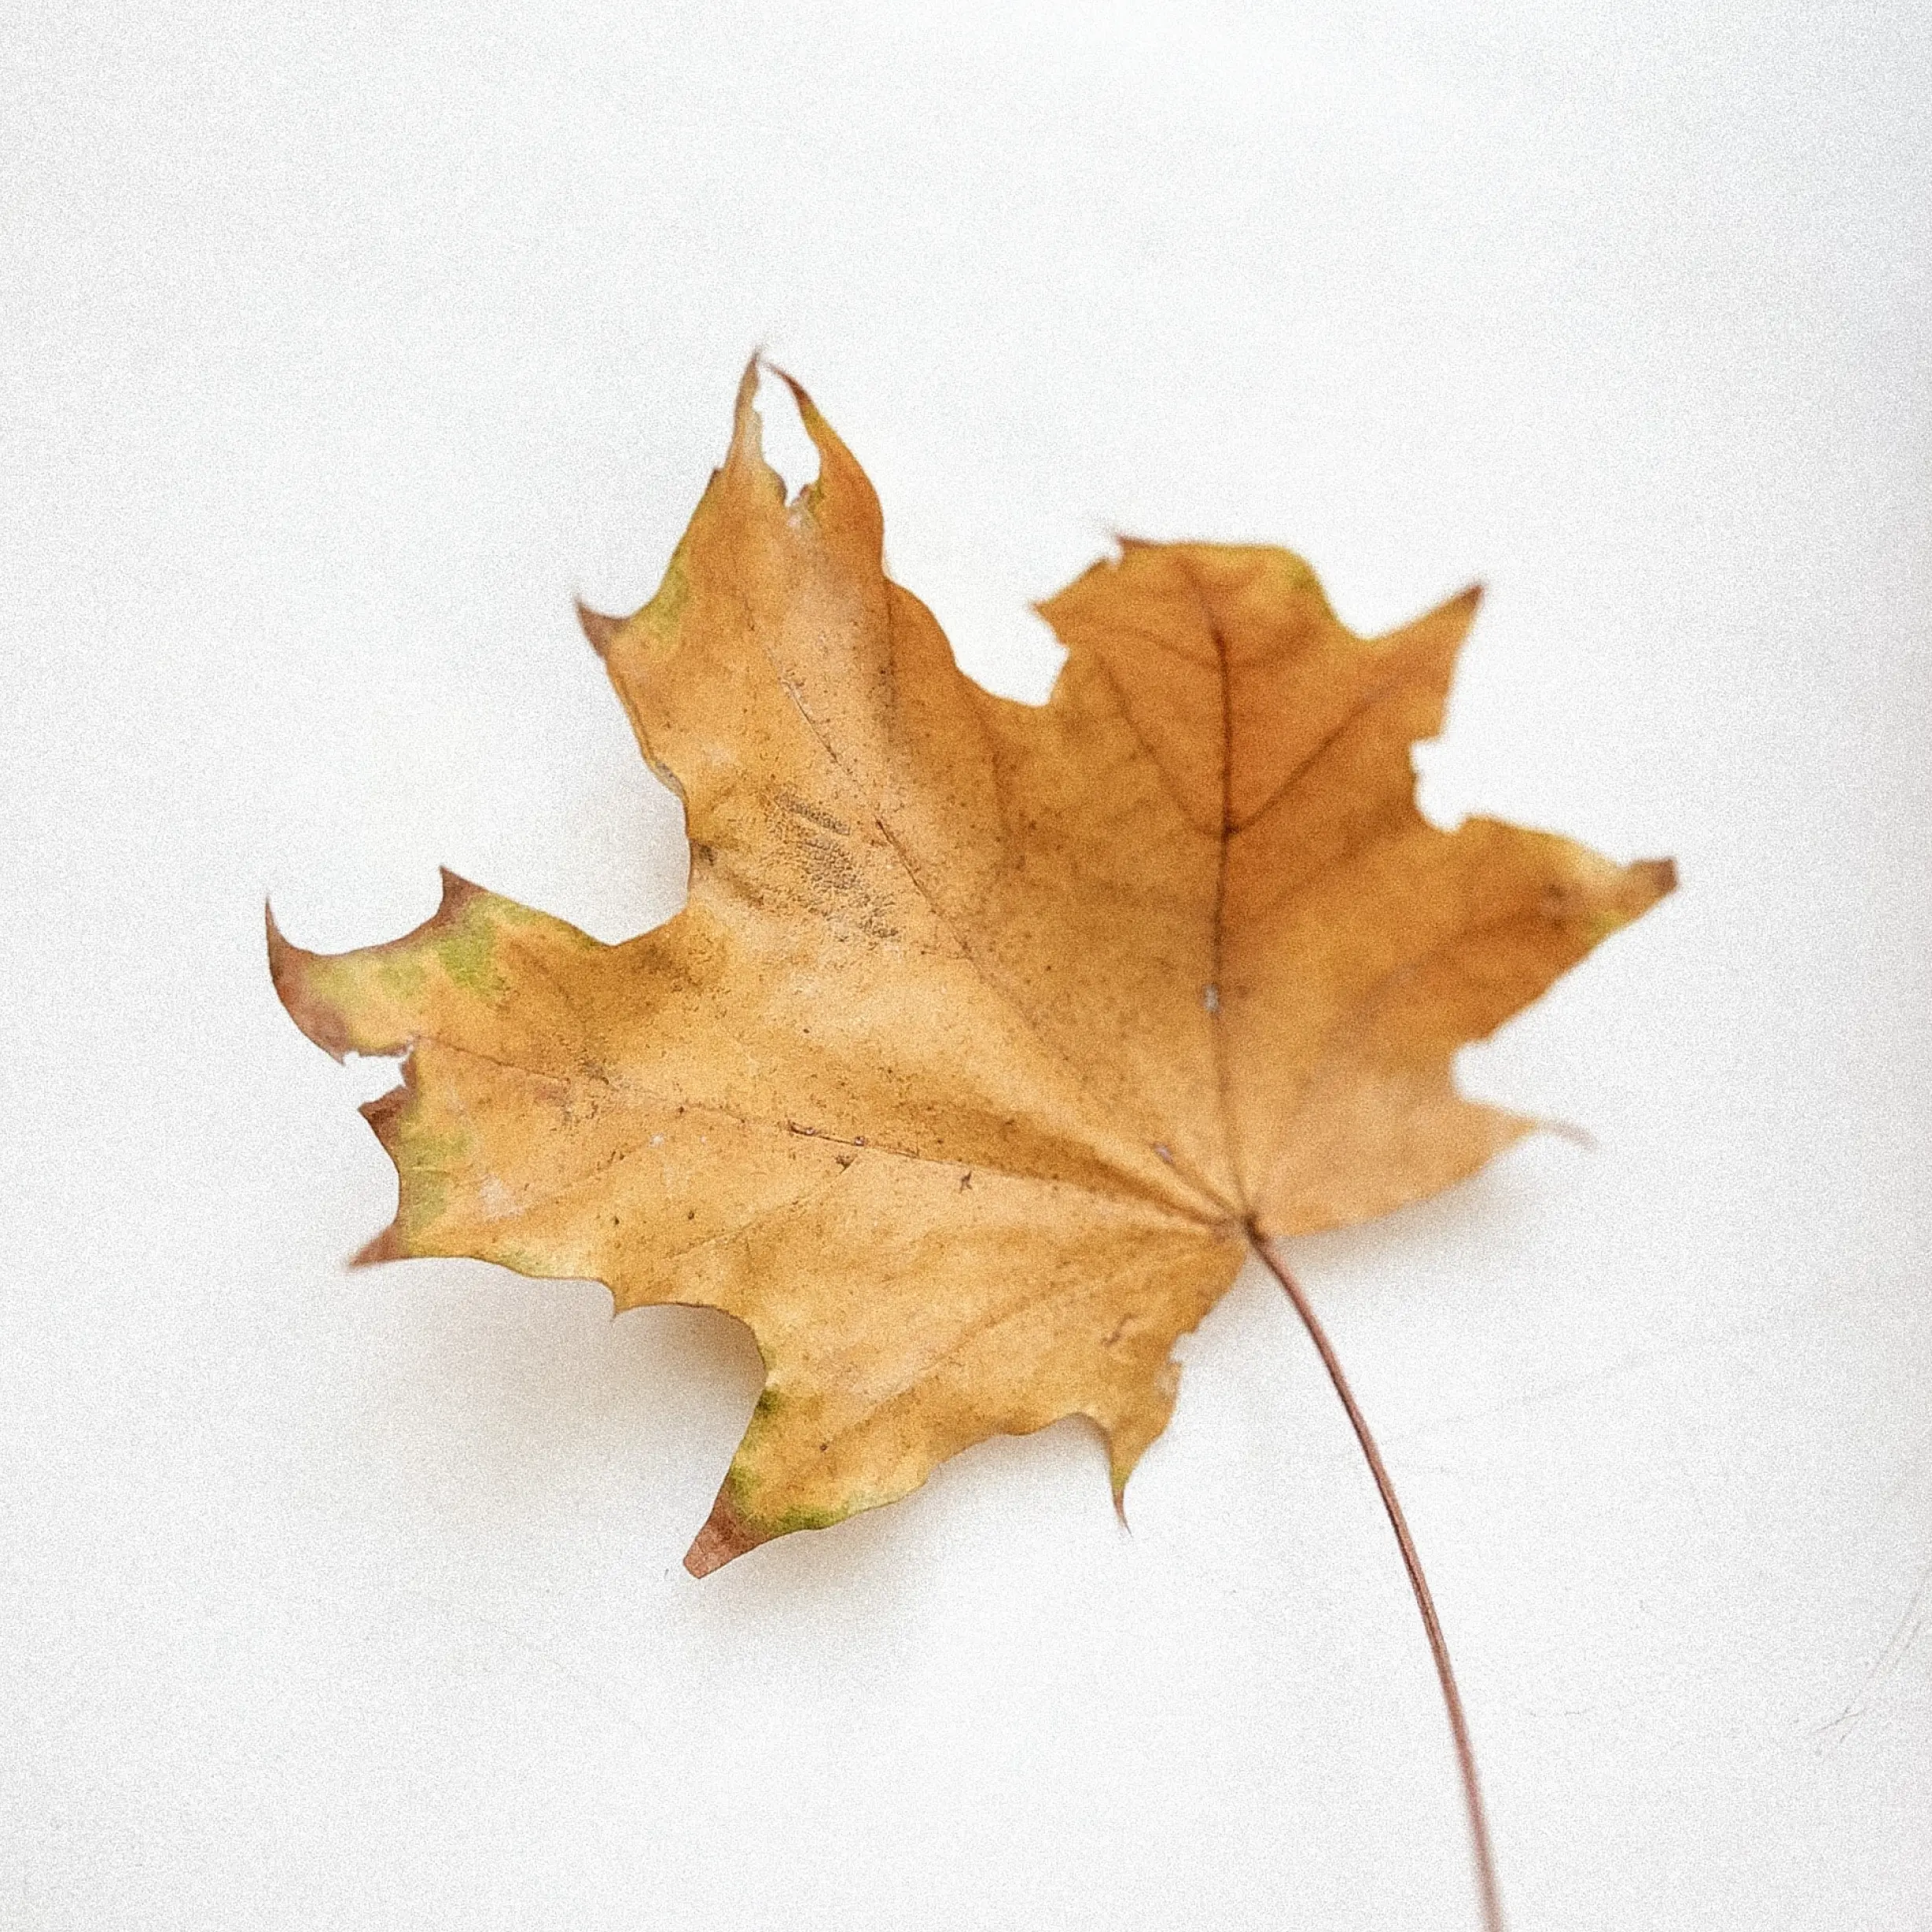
(341, 346)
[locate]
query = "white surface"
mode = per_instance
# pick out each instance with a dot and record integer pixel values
(342, 345)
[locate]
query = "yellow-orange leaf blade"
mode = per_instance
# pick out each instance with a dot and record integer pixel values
(990, 1033)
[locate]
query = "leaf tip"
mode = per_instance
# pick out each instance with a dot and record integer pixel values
(1644, 882)
(289, 971)
(457, 893)
(381, 1111)
(726, 1535)
(1439, 634)
(386, 1246)
(747, 442)
(601, 631)
(807, 409)
(1655, 879)
(283, 958)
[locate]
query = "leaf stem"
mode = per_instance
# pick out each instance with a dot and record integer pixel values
(1486, 1887)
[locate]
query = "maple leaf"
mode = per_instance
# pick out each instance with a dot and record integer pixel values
(991, 1035)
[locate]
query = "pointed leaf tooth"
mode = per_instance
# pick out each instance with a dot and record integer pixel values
(601, 631)
(386, 1246)
(293, 972)
(725, 1536)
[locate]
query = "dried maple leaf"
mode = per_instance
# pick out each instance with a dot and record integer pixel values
(991, 1035)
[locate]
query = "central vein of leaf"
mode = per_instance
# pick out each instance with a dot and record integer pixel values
(1215, 996)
